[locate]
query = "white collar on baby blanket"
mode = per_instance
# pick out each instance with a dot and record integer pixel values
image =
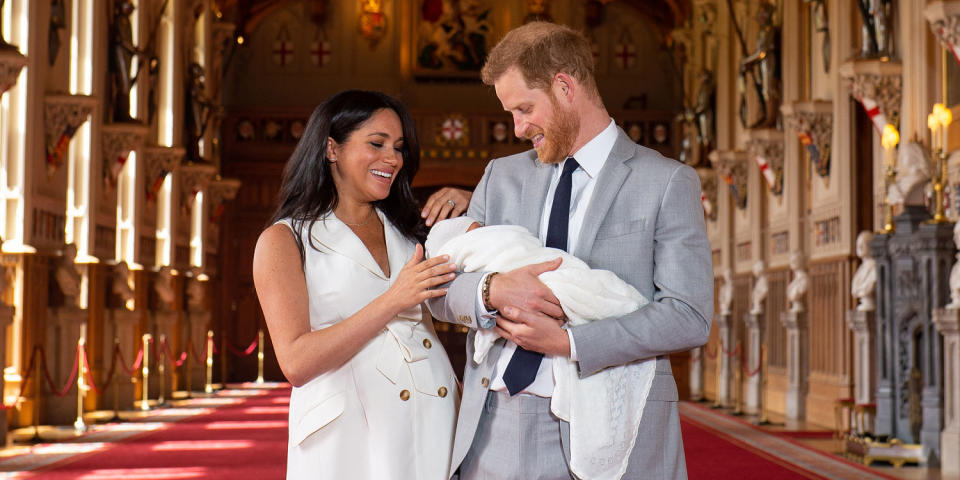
(336, 236)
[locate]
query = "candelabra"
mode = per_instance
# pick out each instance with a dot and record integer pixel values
(937, 122)
(889, 140)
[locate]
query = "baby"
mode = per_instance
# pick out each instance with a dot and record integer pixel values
(604, 409)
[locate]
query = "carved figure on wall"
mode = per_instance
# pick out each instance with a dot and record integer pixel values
(538, 11)
(705, 109)
(913, 174)
(821, 24)
(876, 34)
(3, 43)
(58, 21)
(122, 287)
(760, 287)
(67, 276)
(453, 35)
(864, 282)
(163, 286)
(763, 63)
(122, 53)
(199, 108)
(797, 288)
(955, 272)
(725, 295)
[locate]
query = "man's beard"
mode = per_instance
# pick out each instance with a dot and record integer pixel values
(559, 134)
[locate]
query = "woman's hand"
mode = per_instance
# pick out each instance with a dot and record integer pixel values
(445, 203)
(416, 280)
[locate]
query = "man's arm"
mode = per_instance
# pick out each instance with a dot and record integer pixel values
(679, 317)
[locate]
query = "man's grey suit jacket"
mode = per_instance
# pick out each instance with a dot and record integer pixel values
(644, 223)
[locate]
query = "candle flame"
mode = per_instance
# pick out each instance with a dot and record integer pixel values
(890, 137)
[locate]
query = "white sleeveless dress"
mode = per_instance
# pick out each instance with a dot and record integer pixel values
(390, 411)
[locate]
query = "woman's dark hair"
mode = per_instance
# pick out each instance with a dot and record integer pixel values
(308, 192)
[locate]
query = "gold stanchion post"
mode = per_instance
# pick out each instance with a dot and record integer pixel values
(78, 425)
(738, 383)
(144, 404)
(116, 384)
(260, 356)
(717, 366)
(161, 369)
(208, 388)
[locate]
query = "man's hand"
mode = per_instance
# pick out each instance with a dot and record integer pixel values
(522, 289)
(445, 203)
(534, 331)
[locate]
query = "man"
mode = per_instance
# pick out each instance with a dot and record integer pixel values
(588, 189)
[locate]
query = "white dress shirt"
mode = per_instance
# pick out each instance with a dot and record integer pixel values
(591, 158)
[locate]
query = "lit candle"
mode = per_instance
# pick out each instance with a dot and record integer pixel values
(945, 119)
(889, 140)
(933, 125)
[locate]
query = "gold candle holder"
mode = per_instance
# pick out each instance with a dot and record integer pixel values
(938, 121)
(889, 140)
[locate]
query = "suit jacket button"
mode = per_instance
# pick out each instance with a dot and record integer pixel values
(442, 392)
(485, 381)
(404, 395)
(427, 343)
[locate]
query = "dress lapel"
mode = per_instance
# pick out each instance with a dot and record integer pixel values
(335, 235)
(532, 196)
(399, 249)
(609, 180)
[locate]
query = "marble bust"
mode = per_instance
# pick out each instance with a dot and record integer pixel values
(797, 287)
(955, 273)
(725, 295)
(195, 291)
(913, 174)
(121, 282)
(864, 282)
(759, 293)
(67, 276)
(163, 286)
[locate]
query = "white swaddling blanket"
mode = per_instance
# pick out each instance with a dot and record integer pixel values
(604, 409)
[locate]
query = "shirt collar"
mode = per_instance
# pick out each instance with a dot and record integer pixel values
(594, 153)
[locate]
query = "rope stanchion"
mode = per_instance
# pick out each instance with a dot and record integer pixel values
(208, 388)
(242, 353)
(132, 371)
(23, 382)
(260, 356)
(73, 372)
(161, 369)
(78, 425)
(144, 404)
(169, 354)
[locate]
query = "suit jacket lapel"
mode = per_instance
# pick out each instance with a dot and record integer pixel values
(532, 196)
(330, 232)
(609, 181)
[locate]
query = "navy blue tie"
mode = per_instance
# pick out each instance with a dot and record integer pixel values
(523, 366)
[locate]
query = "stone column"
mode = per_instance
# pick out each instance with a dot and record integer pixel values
(754, 356)
(796, 325)
(948, 325)
(862, 325)
(696, 373)
(725, 322)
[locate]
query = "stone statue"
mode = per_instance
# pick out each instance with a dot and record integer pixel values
(876, 34)
(955, 272)
(705, 109)
(725, 295)
(864, 282)
(67, 276)
(122, 53)
(196, 293)
(797, 288)
(163, 286)
(821, 24)
(759, 293)
(198, 110)
(764, 63)
(913, 173)
(122, 287)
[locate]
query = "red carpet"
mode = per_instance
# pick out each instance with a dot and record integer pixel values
(246, 439)
(711, 456)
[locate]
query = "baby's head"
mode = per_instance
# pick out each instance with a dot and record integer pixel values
(445, 230)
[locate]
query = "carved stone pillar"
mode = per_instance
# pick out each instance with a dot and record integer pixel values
(64, 324)
(63, 115)
(877, 85)
(797, 363)
(864, 368)
(11, 62)
(119, 140)
(753, 369)
(120, 327)
(725, 322)
(766, 148)
(813, 123)
(948, 325)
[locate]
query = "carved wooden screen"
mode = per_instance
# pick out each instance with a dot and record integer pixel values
(827, 300)
(775, 336)
(742, 285)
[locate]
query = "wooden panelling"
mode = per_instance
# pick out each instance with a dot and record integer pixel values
(828, 299)
(776, 336)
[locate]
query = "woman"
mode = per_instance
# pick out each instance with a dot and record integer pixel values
(340, 276)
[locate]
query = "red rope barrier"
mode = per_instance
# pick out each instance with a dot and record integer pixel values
(73, 373)
(23, 383)
(236, 351)
(89, 374)
(169, 354)
(197, 357)
(132, 371)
